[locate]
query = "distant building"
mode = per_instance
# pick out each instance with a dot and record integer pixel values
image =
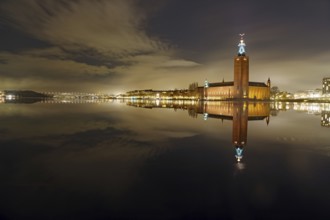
(21, 94)
(326, 85)
(308, 94)
(241, 87)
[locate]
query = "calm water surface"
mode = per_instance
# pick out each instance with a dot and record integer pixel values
(164, 161)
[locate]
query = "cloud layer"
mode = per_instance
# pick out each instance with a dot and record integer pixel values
(118, 45)
(90, 41)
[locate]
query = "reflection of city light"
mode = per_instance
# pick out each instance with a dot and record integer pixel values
(239, 154)
(205, 116)
(310, 108)
(325, 119)
(10, 97)
(240, 166)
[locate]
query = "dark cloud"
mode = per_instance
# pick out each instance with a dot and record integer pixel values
(14, 40)
(111, 27)
(91, 40)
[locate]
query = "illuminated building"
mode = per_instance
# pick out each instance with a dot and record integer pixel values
(326, 85)
(308, 94)
(241, 87)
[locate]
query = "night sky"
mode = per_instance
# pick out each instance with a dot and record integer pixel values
(114, 46)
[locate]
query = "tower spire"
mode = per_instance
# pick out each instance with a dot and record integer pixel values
(241, 46)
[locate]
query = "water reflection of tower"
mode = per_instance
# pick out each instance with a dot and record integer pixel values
(239, 113)
(240, 127)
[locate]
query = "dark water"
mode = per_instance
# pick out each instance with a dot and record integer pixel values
(164, 161)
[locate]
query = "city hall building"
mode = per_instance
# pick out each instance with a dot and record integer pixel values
(239, 89)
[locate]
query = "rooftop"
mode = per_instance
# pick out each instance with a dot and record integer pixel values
(218, 84)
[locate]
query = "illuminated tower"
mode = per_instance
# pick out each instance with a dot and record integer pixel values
(268, 82)
(241, 72)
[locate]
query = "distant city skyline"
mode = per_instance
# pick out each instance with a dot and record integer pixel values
(120, 45)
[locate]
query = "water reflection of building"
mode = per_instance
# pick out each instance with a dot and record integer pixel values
(318, 109)
(237, 112)
(325, 119)
(240, 113)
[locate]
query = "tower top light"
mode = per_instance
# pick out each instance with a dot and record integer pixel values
(241, 46)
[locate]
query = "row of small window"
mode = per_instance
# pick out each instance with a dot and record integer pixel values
(218, 93)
